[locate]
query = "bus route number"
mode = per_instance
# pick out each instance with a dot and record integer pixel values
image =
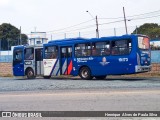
(123, 59)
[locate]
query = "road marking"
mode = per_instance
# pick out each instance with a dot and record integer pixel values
(81, 93)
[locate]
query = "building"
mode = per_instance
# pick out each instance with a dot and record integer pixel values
(37, 38)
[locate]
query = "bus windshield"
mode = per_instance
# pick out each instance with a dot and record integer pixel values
(143, 43)
(17, 55)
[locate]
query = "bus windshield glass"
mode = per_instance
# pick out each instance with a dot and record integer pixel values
(143, 43)
(17, 55)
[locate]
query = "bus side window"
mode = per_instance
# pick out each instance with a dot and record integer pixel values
(114, 48)
(94, 51)
(51, 52)
(69, 52)
(29, 53)
(64, 52)
(82, 50)
(101, 48)
(52, 56)
(121, 47)
(114, 51)
(107, 51)
(78, 53)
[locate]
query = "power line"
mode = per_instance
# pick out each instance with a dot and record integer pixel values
(139, 16)
(85, 27)
(144, 17)
(111, 22)
(145, 13)
(70, 26)
(132, 15)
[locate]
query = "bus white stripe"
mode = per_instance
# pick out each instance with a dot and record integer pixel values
(64, 67)
(56, 68)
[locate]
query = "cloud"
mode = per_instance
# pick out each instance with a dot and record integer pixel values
(4, 2)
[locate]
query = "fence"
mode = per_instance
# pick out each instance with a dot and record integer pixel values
(6, 58)
(155, 56)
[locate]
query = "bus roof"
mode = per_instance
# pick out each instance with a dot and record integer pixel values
(28, 46)
(83, 40)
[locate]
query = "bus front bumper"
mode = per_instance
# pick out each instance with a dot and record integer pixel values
(142, 68)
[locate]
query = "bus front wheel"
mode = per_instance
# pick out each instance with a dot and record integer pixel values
(30, 74)
(85, 73)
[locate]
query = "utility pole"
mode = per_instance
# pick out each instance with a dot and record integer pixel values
(114, 31)
(136, 29)
(125, 20)
(20, 37)
(97, 30)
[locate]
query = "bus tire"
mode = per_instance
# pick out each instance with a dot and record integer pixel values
(30, 73)
(100, 77)
(85, 73)
(46, 77)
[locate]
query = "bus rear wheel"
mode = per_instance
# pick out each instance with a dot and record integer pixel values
(30, 74)
(85, 73)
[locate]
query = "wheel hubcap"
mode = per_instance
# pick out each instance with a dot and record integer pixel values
(30, 73)
(84, 73)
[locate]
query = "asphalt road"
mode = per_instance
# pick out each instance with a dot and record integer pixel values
(39, 84)
(112, 94)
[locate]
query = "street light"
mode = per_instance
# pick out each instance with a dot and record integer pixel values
(97, 31)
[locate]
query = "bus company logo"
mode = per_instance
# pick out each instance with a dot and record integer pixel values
(47, 62)
(28, 62)
(84, 59)
(104, 62)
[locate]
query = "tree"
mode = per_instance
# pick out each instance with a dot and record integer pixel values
(150, 29)
(10, 36)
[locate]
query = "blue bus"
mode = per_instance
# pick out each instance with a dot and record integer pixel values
(95, 57)
(28, 61)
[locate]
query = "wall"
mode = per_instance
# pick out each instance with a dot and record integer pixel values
(155, 68)
(5, 69)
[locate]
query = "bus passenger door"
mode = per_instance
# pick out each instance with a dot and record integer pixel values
(66, 64)
(38, 61)
(18, 62)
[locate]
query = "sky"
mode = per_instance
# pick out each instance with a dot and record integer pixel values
(69, 17)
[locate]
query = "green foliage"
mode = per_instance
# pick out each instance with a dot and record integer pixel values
(150, 29)
(10, 36)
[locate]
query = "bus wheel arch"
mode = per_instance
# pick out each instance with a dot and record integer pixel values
(85, 73)
(30, 73)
